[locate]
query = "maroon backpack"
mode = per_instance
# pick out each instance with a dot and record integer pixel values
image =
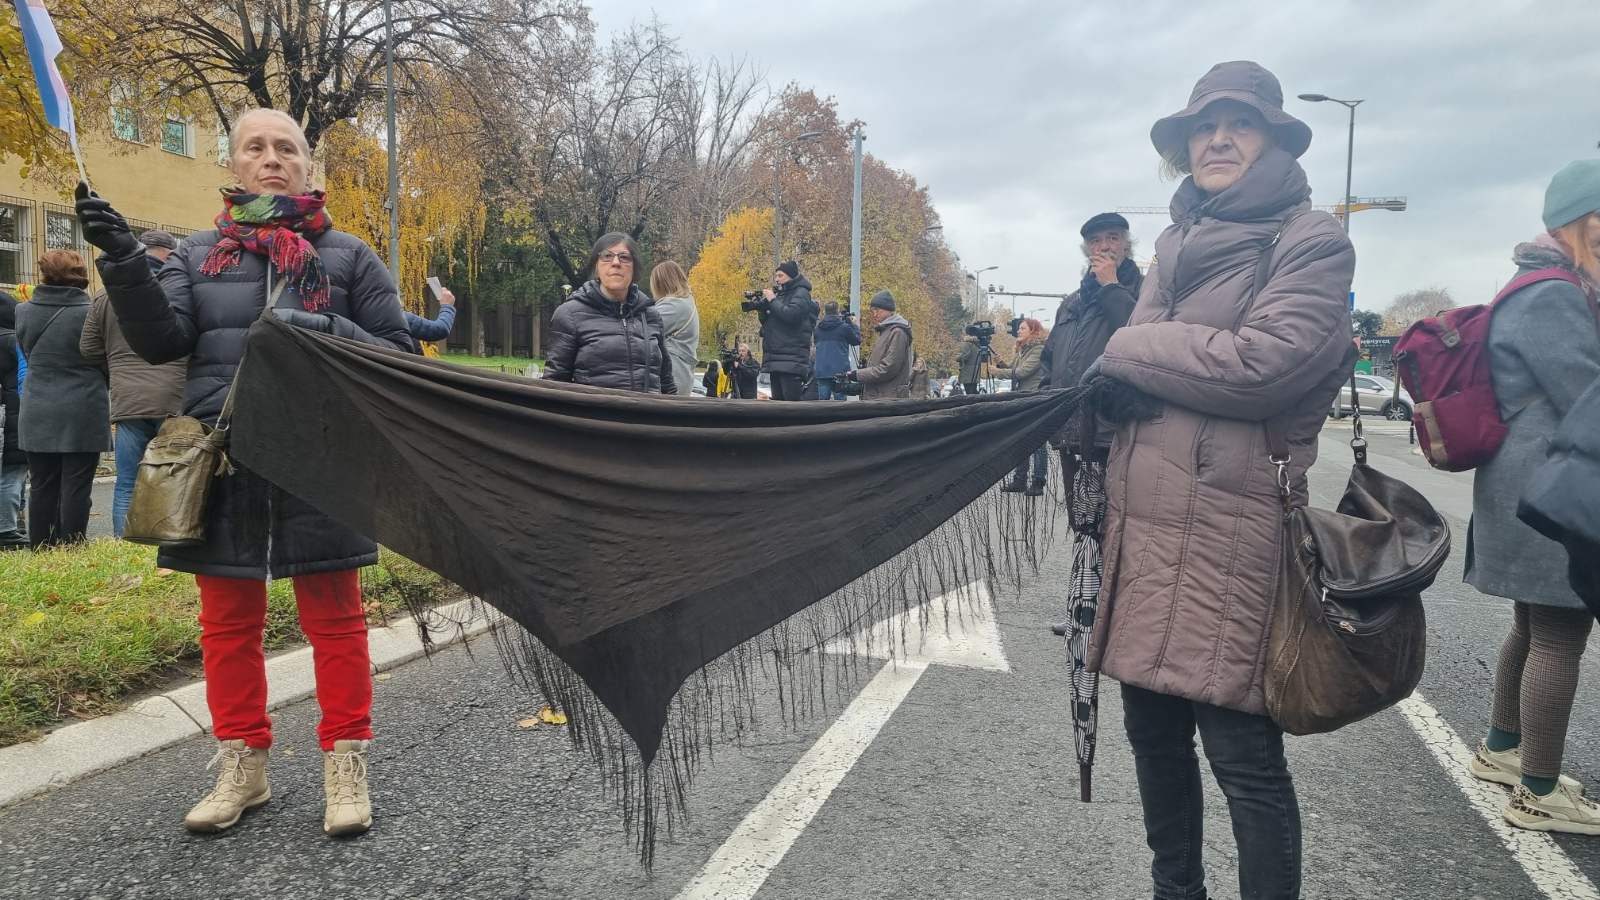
(1443, 361)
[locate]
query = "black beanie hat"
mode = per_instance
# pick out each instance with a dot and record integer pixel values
(790, 268)
(882, 300)
(1102, 222)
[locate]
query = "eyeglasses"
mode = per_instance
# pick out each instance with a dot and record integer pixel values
(622, 258)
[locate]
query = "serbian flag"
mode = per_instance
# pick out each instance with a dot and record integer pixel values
(39, 35)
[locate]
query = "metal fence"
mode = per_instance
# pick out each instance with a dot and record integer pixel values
(19, 256)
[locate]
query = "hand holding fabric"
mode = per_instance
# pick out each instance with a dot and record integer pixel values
(104, 227)
(1092, 372)
(302, 319)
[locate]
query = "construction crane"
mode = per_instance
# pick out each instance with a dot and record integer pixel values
(1360, 204)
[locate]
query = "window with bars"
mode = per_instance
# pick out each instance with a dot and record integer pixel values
(13, 244)
(175, 137)
(125, 114)
(61, 231)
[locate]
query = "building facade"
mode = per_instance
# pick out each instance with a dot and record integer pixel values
(159, 174)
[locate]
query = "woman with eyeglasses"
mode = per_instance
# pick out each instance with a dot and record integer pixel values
(608, 333)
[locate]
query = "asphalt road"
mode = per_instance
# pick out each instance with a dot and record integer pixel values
(969, 789)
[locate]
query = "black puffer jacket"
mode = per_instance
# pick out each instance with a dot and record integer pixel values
(1085, 321)
(598, 341)
(10, 453)
(787, 326)
(206, 318)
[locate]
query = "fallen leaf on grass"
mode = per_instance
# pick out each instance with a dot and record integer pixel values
(33, 618)
(125, 582)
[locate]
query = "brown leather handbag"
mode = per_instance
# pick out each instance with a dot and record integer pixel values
(1348, 636)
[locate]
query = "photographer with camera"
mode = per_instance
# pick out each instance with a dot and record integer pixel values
(744, 371)
(887, 375)
(836, 334)
(1027, 374)
(788, 318)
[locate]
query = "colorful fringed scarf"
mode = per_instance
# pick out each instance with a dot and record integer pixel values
(279, 228)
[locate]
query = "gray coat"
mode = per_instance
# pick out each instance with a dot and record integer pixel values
(680, 322)
(64, 405)
(138, 389)
(1544, 351)
(887, 374)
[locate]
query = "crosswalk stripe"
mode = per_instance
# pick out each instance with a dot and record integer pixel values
(1552, 871)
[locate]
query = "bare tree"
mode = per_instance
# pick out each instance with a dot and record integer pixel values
(320, 61)
(1414, 305)
(606, 143)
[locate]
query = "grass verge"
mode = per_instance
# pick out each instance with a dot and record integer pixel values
(82, 627)
(515, 365)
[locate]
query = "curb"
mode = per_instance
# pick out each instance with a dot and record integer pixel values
(77, 751)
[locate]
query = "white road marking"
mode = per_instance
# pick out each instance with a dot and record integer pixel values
(1552, 871)
(739, 868)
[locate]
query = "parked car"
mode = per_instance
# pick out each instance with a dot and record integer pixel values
(1377, 397)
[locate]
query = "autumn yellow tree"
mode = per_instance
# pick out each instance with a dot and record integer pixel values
(736, 259)
(441, 197)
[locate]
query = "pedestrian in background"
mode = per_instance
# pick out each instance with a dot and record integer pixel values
(680, 321)
(273, 232)
(887, 374)
(788, 321)
(142, 395)
(1544, 351)
(1194, 516)
(65, 423)
(746, 374)
(608, 333)
(968, 362)
(1085, 320)
(424, 330)
(13, 459)
(835, 334)
(1027, 374)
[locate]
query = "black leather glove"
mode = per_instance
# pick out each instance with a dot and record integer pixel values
(302, 319)
(104, 227)
(1092, 372)
(1119, 402)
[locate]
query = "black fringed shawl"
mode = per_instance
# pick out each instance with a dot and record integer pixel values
(641, 538)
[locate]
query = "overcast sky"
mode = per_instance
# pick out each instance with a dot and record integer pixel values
(1024, 118)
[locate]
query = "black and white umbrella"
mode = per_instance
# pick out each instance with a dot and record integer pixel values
(1088, 521)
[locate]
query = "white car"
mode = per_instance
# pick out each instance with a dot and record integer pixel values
(1377, 396)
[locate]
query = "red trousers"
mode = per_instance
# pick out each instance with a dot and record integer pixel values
(233, 613)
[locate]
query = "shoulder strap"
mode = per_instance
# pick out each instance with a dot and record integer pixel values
(1536, 276)
(225, 417)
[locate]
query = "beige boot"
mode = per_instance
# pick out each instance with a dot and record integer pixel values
(344, 782)
(241, 786)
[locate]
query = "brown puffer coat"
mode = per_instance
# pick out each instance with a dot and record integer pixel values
(1193, 519)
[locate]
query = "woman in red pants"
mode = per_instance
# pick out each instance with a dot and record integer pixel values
(272, 234)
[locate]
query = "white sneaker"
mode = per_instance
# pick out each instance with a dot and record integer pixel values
(1505, 767)
(1561, 810)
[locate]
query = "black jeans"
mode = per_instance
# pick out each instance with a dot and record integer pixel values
(1246, 756)
(58, 511)
(786, 386)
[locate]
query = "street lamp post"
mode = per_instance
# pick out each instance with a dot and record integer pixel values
(394, 150)
(777, 193)
(977, 289)
(853, 304)
(1350, 149)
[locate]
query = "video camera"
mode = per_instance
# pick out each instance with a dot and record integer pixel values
(844, 384)
(754, 301)
(983, 330)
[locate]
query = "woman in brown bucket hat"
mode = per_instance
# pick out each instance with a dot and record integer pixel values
(1193, 516)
